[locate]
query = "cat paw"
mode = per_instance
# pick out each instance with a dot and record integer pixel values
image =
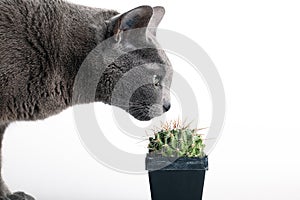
(17, 196)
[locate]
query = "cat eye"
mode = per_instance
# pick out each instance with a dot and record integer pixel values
(156, 80)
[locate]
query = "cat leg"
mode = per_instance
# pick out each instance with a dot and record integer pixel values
(3, 188)
(5, 194)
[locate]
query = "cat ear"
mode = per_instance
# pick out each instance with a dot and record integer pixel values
(158, 14)
(133, 19)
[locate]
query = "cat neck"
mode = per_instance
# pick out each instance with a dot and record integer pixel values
(85, 29)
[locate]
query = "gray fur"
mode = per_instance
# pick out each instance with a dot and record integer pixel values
(43, 44)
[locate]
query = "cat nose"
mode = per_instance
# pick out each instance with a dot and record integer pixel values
(166, 107)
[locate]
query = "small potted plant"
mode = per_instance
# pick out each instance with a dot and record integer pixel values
(176, 163)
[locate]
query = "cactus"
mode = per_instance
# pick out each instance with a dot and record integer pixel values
(175, 140)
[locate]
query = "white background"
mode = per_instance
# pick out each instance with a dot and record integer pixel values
(255, 46)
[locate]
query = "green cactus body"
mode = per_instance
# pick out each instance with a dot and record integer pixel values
(173, 141)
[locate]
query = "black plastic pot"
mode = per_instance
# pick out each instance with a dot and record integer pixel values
(176, 178)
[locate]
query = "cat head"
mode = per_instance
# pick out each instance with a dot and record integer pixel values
(139, 79)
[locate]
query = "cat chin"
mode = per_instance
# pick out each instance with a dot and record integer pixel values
(143, 118)
(147, 117)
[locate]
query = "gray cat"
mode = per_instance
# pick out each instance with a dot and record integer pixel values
(44, 44)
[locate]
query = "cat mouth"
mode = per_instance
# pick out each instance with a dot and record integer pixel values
(143, 113)
(140, 113)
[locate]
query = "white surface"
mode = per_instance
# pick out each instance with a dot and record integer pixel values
(256, 47)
